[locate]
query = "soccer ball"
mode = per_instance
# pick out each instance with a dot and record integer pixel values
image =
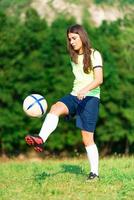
(35, 105)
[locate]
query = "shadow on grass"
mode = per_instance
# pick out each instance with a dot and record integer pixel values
(72, 169)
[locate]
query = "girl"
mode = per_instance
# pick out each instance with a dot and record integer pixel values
(83, 101)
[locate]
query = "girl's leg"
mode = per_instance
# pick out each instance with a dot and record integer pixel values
(52, 118)
(92, 151)
(49, 125)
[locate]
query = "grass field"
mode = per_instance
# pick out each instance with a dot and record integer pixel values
(64, 179)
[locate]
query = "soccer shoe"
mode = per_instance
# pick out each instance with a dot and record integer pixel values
(92, 177)
(35, 141)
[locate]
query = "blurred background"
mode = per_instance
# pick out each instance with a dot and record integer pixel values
(34, 59)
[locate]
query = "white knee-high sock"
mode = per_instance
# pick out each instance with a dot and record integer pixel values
(49, 125)
(93, 157)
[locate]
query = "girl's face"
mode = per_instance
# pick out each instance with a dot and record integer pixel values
(75, 42)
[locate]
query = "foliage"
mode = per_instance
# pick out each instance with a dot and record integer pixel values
(34, 59)
(4, 4)
(111, 2)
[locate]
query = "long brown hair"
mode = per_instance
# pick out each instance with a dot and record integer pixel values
(78, 29)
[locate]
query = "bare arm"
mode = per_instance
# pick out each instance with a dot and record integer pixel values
(98, 80)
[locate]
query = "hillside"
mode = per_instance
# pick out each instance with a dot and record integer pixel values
(95, 11)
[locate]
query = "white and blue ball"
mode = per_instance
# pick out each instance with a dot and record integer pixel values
(35, 105)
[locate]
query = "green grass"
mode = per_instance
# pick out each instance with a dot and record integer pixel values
(54, 179)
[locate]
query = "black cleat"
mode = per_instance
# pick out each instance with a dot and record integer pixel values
(92, 176)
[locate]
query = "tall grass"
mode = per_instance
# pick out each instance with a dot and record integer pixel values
(65, 180)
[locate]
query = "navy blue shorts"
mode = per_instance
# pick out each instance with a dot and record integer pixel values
(86, 111)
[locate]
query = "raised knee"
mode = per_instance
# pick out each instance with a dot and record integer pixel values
(59, 109)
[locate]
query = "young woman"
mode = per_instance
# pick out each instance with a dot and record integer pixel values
(84, 99)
